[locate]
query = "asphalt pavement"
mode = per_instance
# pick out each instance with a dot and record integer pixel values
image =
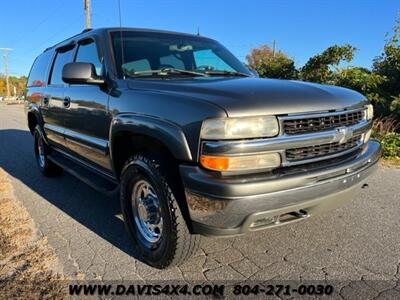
(359, 241)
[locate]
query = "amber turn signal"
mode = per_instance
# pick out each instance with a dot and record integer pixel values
(241, 163)
(218, 163)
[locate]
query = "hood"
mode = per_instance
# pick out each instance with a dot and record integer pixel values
(257, 96)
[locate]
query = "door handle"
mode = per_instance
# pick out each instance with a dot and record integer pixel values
(67, 102)
(46, 100)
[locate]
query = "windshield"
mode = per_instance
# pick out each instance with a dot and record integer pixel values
(144, 52)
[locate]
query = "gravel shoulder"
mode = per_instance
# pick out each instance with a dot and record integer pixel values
(29, 268)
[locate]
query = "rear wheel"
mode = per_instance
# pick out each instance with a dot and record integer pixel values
(46, 167)
(152, 215)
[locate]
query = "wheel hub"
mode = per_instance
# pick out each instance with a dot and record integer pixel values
(41, 157)
(147, 211)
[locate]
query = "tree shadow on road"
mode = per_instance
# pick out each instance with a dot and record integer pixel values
(93, 210)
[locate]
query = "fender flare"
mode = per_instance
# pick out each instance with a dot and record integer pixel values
(168, 133)
(34, 109)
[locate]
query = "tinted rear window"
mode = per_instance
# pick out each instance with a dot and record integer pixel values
(37, 76)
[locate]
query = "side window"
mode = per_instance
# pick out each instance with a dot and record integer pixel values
(209, 58)
(87, 52)
(37, 75)
(63, 57)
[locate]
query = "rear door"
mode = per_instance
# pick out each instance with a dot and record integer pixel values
(36, 87)
(87, 119)
(55, 104)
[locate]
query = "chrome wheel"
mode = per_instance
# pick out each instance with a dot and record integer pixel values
(41, 152)
(147, 211)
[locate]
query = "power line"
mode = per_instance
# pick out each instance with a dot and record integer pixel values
(37, 23)
(5, 60)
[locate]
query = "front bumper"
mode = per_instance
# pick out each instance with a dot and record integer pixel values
(236, 205)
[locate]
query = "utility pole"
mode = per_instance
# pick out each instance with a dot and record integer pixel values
(5, 60)
(87, 12)
(273, 48)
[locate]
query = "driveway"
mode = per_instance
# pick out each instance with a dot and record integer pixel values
(359, 241)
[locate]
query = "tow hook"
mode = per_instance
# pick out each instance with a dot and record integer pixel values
(299, 214)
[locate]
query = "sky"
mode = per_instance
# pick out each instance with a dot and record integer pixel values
(301, 28)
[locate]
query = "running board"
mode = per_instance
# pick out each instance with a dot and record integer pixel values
(91, 178)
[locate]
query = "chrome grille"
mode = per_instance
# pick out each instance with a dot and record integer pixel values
(320, 123)
(316, 151)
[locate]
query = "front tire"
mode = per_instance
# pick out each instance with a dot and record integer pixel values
(46, 167)
(152, 215)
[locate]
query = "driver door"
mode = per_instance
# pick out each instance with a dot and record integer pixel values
(87, 118)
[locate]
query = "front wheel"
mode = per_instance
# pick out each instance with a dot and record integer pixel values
(152, 215)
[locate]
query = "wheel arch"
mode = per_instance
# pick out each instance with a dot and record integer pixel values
(137, 132)
(131, 134)
(34, 118)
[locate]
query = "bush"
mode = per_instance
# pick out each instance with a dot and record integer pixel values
(391, 145)
(385, 130)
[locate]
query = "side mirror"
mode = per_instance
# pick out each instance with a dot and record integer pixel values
(81, 73)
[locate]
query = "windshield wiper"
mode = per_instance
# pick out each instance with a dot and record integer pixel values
(164, 72)
(226, 73)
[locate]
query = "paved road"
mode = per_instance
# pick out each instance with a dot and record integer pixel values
(359, 241)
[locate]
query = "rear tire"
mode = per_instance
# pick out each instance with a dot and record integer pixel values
(46, 167)
(159, 232)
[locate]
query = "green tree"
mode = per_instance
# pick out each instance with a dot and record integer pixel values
(271, 64)
(388, 65)
(321, 67)
(363, 81)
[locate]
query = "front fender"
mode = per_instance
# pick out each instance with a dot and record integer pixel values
(169, 134)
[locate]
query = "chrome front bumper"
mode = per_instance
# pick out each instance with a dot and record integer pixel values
(236, 205)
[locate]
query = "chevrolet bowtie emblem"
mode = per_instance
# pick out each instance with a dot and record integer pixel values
(343, 134)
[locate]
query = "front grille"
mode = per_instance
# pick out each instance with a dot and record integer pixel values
(316, 151)
(320, 123)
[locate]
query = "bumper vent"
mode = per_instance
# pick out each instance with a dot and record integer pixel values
(320, 123)
(316, 151)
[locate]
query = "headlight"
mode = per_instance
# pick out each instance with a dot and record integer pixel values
(369, 112)
(367, 135)
(240, 128)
